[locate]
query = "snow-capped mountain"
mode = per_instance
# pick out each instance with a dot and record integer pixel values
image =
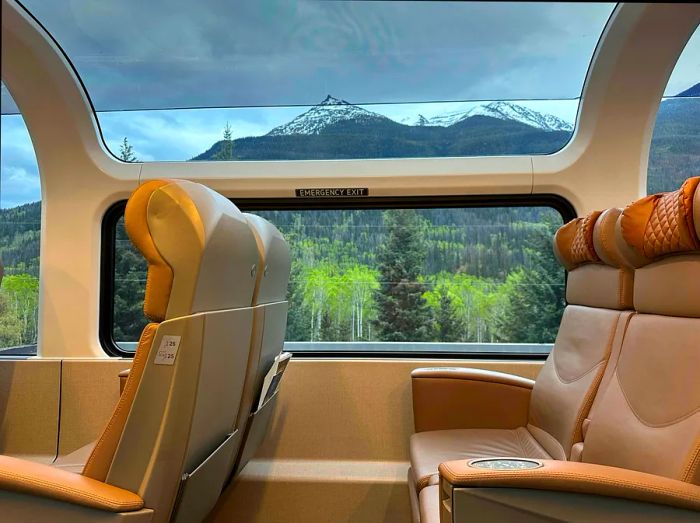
(330, 111)
(503, 111)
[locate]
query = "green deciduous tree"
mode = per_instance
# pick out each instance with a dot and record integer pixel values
(402, 312)
(20, 296)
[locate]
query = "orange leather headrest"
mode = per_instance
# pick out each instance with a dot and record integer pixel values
(573, 242)
(663, 224)
(159, 280)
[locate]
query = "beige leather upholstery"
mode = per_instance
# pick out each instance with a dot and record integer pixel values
(551, 424)
(429, 448)
(641, 439)
(462, 398)
(648, 418)
(428, 499)
(170, 437)
(18, 475)
(585, 478)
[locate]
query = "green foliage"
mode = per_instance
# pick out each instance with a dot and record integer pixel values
(225, 151)
(126, 152)
(535, 295)
(19, 306)
(403, 314)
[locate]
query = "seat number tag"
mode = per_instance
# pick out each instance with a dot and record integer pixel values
(168, 350)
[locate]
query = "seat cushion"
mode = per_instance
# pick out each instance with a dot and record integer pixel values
(429, 449)
(429, 501)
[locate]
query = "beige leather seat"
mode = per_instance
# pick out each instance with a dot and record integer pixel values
(468, 413)
(640, 454)
(270, 325)
(166, 451)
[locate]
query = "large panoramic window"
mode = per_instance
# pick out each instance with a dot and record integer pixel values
(438, 280)
(20, 229)
(675, 145)
(300, 80)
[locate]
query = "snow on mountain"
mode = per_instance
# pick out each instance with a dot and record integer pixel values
(333, 110)
(414, 121)
(504, 111)
(328, 112)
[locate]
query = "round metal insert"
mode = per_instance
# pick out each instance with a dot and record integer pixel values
(505, 464)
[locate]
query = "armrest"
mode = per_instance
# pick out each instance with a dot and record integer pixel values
(27, 477)
(581, 478)
(456, 398)
(123, 376)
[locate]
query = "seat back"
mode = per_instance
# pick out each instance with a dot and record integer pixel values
(599, 292)
(270, 324)
(648, 417)
(183, 393)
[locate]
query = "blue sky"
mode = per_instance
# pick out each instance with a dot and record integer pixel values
(253, 54)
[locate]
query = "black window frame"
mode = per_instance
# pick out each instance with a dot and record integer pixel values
(116, 211)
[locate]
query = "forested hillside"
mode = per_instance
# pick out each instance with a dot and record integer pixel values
(472, 274)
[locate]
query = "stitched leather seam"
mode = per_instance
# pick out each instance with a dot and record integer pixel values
(131, 382)
(578, 378)
(577, 435)
(79, 494)
(642, 420)
(693, 463)
(594, 481)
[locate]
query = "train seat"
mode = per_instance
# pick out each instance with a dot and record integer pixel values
(469, 413)
(169, 441)
(270, 324)
(640, 452)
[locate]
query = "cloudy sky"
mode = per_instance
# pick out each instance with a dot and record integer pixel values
(256, 64)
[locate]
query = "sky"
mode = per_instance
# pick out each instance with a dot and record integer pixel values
(241, 58)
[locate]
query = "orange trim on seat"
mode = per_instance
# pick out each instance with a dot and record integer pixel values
(662, 224)
(100, 459)
(574, 241)
(159, 280)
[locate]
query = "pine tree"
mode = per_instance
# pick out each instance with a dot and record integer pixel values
(535, 299)
(403, 314)
(447, 324)
(126, 152)
(226, 151)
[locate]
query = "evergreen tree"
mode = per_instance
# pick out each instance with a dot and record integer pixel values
(226, 151)
(402, 312)
(536, 299)
(126, 152)
(447, 324)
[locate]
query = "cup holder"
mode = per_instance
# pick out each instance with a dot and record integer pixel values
(505, 464)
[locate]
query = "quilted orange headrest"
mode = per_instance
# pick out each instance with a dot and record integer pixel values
(663, 224)
(159, 280)
(573, 242)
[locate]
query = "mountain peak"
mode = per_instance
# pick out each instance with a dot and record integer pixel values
(329, 112)
(331, 100)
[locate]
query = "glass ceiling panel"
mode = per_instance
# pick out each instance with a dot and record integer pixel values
(136, 55)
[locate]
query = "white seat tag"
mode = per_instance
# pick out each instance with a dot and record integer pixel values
(167, 351)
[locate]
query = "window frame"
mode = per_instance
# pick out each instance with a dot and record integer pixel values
(116, 211)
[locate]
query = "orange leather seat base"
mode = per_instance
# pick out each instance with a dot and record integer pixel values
(429, 449)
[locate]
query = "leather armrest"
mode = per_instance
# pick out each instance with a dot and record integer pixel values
(581, 478)
(27, 477)
(447, 398)
(123, 376)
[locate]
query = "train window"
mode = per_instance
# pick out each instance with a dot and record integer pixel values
(675, 145)
(401, 280)
(314, 80)
(20, 229)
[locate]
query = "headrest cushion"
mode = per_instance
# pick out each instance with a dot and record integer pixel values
(662, 224)
(573, 242)
(159, 280)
